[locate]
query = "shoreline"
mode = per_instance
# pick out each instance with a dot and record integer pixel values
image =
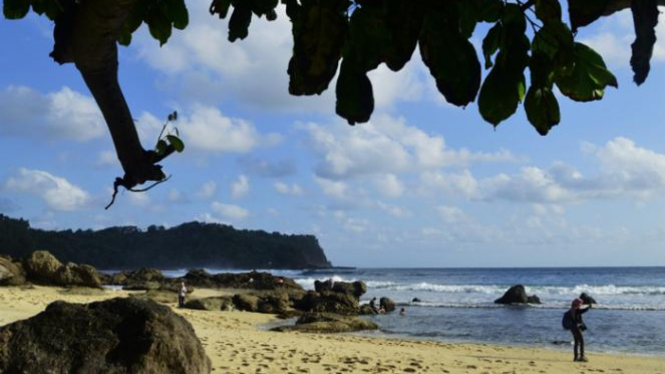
(237, 342)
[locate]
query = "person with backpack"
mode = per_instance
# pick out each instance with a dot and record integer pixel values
(572, 320)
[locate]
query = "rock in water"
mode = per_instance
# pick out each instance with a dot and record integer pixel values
(118, 336)
(387, 304)
(517, 295)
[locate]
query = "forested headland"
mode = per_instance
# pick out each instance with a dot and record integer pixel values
(189, 245)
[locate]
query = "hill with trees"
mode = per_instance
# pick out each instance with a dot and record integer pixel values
(189, 245)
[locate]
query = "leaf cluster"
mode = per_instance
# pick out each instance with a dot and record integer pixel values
(529, 52)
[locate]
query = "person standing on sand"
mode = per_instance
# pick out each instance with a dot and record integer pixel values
(181, 295)
(572, 320)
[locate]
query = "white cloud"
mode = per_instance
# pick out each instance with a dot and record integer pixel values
(462, 184)
(106, 158)
(229, 211)
(451, 214)
(393, 210)
(334, 189)
(285, 189)
(56, 191)
(389, 185)
(387, 146)
(62, 115)
(139, 199)
(615, 36)
(240, 187)
(207, 190)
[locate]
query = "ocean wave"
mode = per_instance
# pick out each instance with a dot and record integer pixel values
(308, 283)
(424, 304)
(599, 290)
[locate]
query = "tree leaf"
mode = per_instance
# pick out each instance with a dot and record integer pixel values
(491, 44)
(175, 141)
(355, 99)
(240, 21)
(645, 19)
(542, 109)
(319, 33)
(491, 10)
(404, 19)
(499, 95)
(15, 9)
(588, 77)
(159, 25)
(176, 11)
(548, 11)
(49, 7)
(264, 7)
(457, 74)
(161, 146)
(220, 7)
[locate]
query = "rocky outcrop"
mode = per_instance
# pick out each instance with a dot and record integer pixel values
(356, 288)
(517, 295)
(118, 336)
(328, 323)
(11, 272)
(321, 286)
(252, 280)
(214, 303)
(387, 304)
(43, 268)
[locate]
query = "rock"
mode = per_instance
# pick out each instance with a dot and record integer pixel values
(43, 268)
(387, 304)
(416, 300)
(214, 303)
(365, 310)
(11, 272)
(332, 302)
(77, 275)
(246, 302)
(118, 336)
(252, 280)
(517, 295)
(329, 323)
(276, 303)
(163, 297)
(326, 285)
(141, 279)
(587, 300)
(356, 288)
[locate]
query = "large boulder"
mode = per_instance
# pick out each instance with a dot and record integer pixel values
(141, 279)
(77, 275)
(275, 303)
(517, 295)
(43, 268)
(118, 336)
(11, 272)
(214, 303)
(164, 297)
(328, 301)
(328, 323)
(387, 304)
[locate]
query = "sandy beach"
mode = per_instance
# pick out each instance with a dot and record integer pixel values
(236, 342)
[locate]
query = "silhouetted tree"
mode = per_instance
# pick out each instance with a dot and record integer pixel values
(524, 35)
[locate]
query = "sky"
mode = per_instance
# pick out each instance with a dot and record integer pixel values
(423, 184)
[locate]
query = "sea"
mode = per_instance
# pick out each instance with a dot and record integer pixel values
(457, 305)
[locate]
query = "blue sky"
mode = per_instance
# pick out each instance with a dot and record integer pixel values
(422, 184)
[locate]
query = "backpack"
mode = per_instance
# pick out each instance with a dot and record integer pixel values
(567, 321)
